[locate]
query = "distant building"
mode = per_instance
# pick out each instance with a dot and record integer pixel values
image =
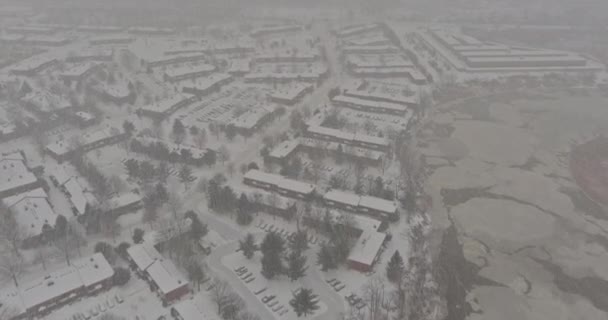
(352, 139)
(205, 86)
(188, 72)
(290, 95)
(124, 203)
(253, 119)
(273, 182)
(79, 72)
(368, 205)
(91, 55)
(63, 149)
(117, 93)
(32, 66)
(165, 108)
(112, 40)
(275, 29)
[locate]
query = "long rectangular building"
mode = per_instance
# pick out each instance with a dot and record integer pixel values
(353, 139)
(165, 108)
(373, 206)
(280, 184)
(37, 298)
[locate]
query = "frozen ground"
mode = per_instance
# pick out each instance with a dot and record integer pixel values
(500, 176)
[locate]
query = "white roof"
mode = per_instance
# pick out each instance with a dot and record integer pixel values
(240, 65)
(123, 200)
(347, 198)
(79, 196)
(190, 310)
(47, 101)
(162, 271)
(166, 105)
(32, 211)
(79, 69)
(81, 273)
(187, 70)
(378, 204)
(291, 92)
(369, 103)
(250, 118)
(209, 81)
(284, 148)
(61, 175)
(280, 181)
(14, 173)
(367, 247)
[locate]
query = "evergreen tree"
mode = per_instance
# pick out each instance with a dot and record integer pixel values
(128, 127)
(138, 235)
(179, 131)
(244, 211)
(304, 302)
(296, 265)
(248, 246)
(325, 257)
(185, 176)
(272, 249)
(395, 268)
(195, 273)
(299, 242)
(198, 229)
(107, 250)
(272, 265)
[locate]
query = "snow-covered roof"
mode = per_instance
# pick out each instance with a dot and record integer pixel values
(240, 65)
(81, 273)
(381, 105)
(252, 117)
(275, 29)
(190, 310)
(343, 197)
(32, 63)
(123, 200)
(367, 247)
(79, 69)
(355, 29)
(362, 202)
(63, 146)
(32, 211)
(284, 148)
(291, 92)
(14, 173)
(280, 181)
(347, 136)
(78, 195)
(46, 101)
(187, 70)
(378, 204)
(206, 83)
(167, 104)
(162, 271)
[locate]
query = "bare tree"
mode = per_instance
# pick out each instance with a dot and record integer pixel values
(375, 297)
(10, 231)
(11, 265)
(220, 293)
